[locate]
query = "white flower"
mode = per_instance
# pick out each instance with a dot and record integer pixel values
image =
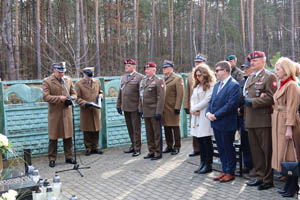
(10, 195)
(3, 141)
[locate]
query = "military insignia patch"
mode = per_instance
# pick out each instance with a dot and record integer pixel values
(181, 83)
(162, 85)
(274, 84)
(153, 82)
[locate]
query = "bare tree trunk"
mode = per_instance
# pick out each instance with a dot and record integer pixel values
(171, 25)
(203, 28)
(135, 32)
(77, 32)
(292, 29)
(243, 27)
(17, 48)
(7, 39)
(97, 39)
(251, 20)
(38, 41)
(191, 34)
(225, 35)
(152, 30)
(52, 31)
(84, 35)
(161, 28)
(42, 25)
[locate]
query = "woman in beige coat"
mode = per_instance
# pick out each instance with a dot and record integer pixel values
(285, 120)
(204, 81)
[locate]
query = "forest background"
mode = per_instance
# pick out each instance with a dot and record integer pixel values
(102, 33)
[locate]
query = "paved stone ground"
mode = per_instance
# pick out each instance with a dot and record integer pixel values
(115, 176)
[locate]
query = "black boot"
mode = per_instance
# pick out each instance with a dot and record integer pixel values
(285, 187)
(293, 188)
(206, 169)
(201, 166)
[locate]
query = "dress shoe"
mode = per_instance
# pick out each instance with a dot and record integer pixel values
(254, 182)
(202, 164)
(227, 178)
(97, 151)
(52, 163)
(70, 161)
(167, 150)
(149, 156)
(130, 150)
(175, 152)
(194, 154)
(205, 169)
(291, 191)
(88, 152)
(136, 153)
(156, 158)
(265, 186)
(219, 177)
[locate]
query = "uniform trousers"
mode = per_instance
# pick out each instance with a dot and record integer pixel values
(153, 133)
(172, 134)
(206, 149)
(226, 150)
(91, 139)
(133, 123)
(260, 140)
(52, 149)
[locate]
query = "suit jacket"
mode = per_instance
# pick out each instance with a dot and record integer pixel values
(259, 115)
(152, 96)
(89, 117)
(173, 100)
(224, 106)
(60, 124)
(128, 97)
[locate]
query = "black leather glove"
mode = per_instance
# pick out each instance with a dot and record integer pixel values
(68, 102)
(157, 116)
(140, 114)
(119, 111)
(87, 104)
(177, 112)
(187, 111)
(248, 102)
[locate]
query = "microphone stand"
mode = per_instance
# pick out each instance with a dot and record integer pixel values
(76, 165)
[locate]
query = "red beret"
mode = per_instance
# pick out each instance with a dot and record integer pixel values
(255, 54)
(150, 64)
(130, 61)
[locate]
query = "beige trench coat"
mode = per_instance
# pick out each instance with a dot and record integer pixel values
(285, 114)
(173, 100)
(60, 124)
(90, 118)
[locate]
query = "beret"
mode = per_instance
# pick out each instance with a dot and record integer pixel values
(255, 54)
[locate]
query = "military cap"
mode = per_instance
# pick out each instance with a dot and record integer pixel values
(88, 71)
(150, 64)
(231, 57)
(200, 58)
(168, 63)
(246, 64)
(60, 67)
(129, 61)
(255, 54)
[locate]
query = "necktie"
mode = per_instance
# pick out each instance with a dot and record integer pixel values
(220, 87)
(128, 77)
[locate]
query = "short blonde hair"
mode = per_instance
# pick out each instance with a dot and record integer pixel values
(290, 67)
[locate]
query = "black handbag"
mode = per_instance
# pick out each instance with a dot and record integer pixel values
(290, 168)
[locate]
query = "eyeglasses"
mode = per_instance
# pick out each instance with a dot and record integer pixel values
(198, 75)
(217, 70)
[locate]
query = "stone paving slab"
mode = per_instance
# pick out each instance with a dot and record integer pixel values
(117, 176)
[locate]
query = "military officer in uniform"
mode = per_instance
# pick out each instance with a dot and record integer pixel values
(58, 91)
(89, 91)
(128, 101)
(259, 90)
(200, 58)
(171, 113)
(152, 98)
(236, 73)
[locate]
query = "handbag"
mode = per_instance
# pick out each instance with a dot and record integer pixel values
(290, 168)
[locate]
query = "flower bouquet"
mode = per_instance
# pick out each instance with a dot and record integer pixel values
(5, 147)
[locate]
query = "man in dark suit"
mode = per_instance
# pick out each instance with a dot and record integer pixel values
(222, 112)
